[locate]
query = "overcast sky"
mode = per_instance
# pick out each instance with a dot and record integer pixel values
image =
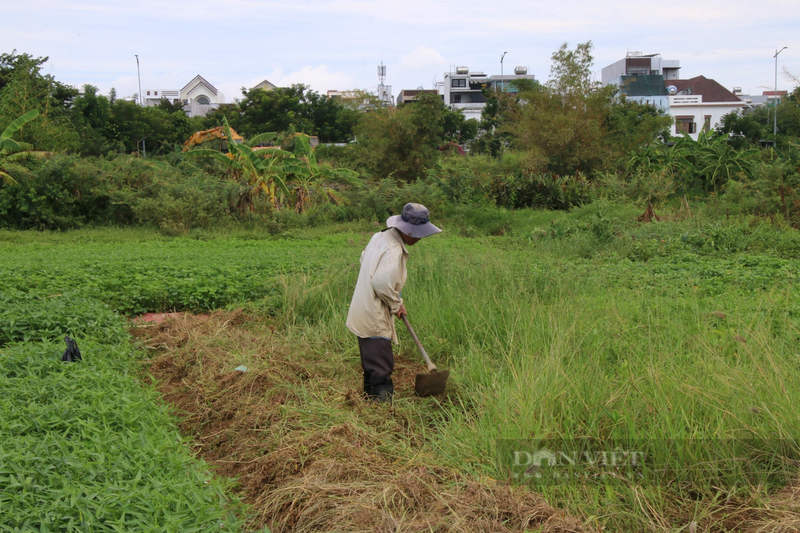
(330, 44)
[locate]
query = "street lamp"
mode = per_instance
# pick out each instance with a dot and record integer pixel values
(502, 81)
(141, 102)
(775, 129)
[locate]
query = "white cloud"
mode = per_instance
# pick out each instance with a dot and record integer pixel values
(422, 57)
(320, 79)
(336, 44)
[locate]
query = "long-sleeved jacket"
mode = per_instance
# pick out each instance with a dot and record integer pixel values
(377, 295)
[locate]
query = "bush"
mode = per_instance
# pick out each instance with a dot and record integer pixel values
(465, 180)
(65, 192)
(179, 207)
(774, 192)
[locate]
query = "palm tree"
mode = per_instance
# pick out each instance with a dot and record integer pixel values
(11, 150)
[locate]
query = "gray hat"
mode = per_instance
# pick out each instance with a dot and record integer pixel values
(413, 222)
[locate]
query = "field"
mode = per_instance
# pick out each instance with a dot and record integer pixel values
(672, 342)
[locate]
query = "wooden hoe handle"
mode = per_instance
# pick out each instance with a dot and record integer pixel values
(431, 366)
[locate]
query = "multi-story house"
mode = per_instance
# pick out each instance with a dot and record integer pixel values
(694, 104)
(462, 90)
(409, 95)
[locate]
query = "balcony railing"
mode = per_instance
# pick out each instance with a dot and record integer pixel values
(686, 100)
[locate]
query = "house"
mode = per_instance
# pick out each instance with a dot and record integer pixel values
(462, 90)
(641, 78)
(410, 95)
(637, 64)
(766, 98)
(699, 104)
(152, 97)
(198, 97)
(266, 85)
(695, 104)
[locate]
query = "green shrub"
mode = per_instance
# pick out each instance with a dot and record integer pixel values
(194, 203)
(774, 191)
(47, 198)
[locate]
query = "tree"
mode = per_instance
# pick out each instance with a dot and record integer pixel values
(91, 116)
(309, 179)
(24, 88)
(402, 141)
(570, 72)
(744, 129)
(502, 109)
(131, 124)
(294, 108)
(11, 65)
(568, 126)
(789, 115)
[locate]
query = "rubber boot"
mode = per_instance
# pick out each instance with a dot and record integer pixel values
(383, 392)
(366, 385)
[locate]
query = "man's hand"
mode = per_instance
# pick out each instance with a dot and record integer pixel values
(402, 311)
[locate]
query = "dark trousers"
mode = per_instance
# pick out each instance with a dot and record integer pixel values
(377, 360)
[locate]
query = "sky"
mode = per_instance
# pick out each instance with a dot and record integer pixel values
(338, 44)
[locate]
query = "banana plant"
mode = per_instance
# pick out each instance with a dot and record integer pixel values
(719, 163)
(308, 177)
(11, 150)
(261, 168)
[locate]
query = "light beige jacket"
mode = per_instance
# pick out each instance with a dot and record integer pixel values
(377, 295)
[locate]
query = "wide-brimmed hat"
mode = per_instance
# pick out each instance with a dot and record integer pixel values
(413, 221)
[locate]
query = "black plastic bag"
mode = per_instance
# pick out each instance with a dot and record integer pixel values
(72, 353)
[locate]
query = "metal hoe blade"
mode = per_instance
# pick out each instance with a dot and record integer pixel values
(432, 383)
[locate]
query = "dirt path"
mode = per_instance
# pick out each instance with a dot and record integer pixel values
(309, 454)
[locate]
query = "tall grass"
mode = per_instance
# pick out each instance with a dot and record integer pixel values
(689, 357)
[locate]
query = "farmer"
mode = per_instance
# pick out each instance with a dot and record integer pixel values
(377, 296)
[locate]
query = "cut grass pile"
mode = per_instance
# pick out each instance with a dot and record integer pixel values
(309, 453)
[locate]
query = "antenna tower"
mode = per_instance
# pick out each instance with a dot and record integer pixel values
(384, 91)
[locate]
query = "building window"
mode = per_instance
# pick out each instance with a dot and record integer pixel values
(202, 100)
(455, 98)
(458, 82)
(685, 125)
(156, 93)
(148, 93)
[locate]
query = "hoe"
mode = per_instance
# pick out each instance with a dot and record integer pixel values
(435, 380)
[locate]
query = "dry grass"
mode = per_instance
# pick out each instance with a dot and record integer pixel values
(309, 454)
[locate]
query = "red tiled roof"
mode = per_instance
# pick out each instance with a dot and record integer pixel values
(709, 89)
(773, 93)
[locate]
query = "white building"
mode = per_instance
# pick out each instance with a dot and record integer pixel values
(699, 104)
(695, 104)
(637, 64)
(198, 97)
(462, 90)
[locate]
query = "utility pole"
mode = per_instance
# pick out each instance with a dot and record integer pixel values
(775, 128)
(141, 101)
(502, 80)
